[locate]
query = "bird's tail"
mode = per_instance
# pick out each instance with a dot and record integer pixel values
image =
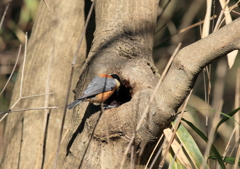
(74, 103)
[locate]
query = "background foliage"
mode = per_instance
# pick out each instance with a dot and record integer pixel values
(215, 88)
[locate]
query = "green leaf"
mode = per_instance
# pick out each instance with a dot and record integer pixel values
(226, 117)
(204, 137)
(229, 160)
(191, 147)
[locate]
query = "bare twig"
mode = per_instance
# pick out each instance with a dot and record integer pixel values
(237, 157)
(63, 119)
(222, 12)
(3, 117)
(210, 138)
(24, 58)
(51, 157)
(234, 147)
(175, 156)
(25, 97)
(47, 112)
(19, 51)
(233, 11)
(227, 147)
(36, 95)
(156, 88)
(83, 33)
(158, 153)
(126, 151)
(184, 30)
(47, 4)
(219, 22)
(154, 151)
(194, 25)
(37, 108)
(70, 84)
(174, 131)
(4, 14)
(24, 61)
(237, 104)
(150, 100)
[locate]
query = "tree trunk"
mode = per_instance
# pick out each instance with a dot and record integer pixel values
(52, 44)
(122, 45)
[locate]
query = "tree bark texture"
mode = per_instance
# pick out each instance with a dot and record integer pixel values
(54, 39)
(122, 45)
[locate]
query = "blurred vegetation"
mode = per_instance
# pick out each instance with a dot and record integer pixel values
(19, 19)
(173, 18)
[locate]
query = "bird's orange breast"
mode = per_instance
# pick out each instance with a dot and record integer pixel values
(101, 97)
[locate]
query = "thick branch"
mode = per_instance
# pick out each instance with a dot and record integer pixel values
(190, 61)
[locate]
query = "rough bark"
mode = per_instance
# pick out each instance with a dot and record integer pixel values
(55, 37)
(99, 140)
(122, 45)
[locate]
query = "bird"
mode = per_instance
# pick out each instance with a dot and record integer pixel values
(101, 88)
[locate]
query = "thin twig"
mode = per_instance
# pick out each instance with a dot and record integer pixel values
(51, 157)
(4, 14)
(126, 151)
(37, 108)
(156, 88)
(25, 97)
(150, 100)
(132, 161)
(218, 24)
(237, 104)
(158, 153)
(70, 84)
(175, 130)
(235, 12)
(24, 61)
(47, 4)
(210, 138)
(153, 151)
(235, 146)
(184, 30)
(237, 157)
(194, 25)
(83, 33)
(3, 117)
(24, 58)
(63, 119)
(231, 8)
(227, 146)
(47, 112)
(207, 92)
(175, 156)
(19, 51)
(36, 95)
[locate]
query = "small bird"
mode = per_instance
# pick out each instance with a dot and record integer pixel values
(99, 90)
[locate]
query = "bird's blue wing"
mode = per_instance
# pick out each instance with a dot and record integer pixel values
(98, 85)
